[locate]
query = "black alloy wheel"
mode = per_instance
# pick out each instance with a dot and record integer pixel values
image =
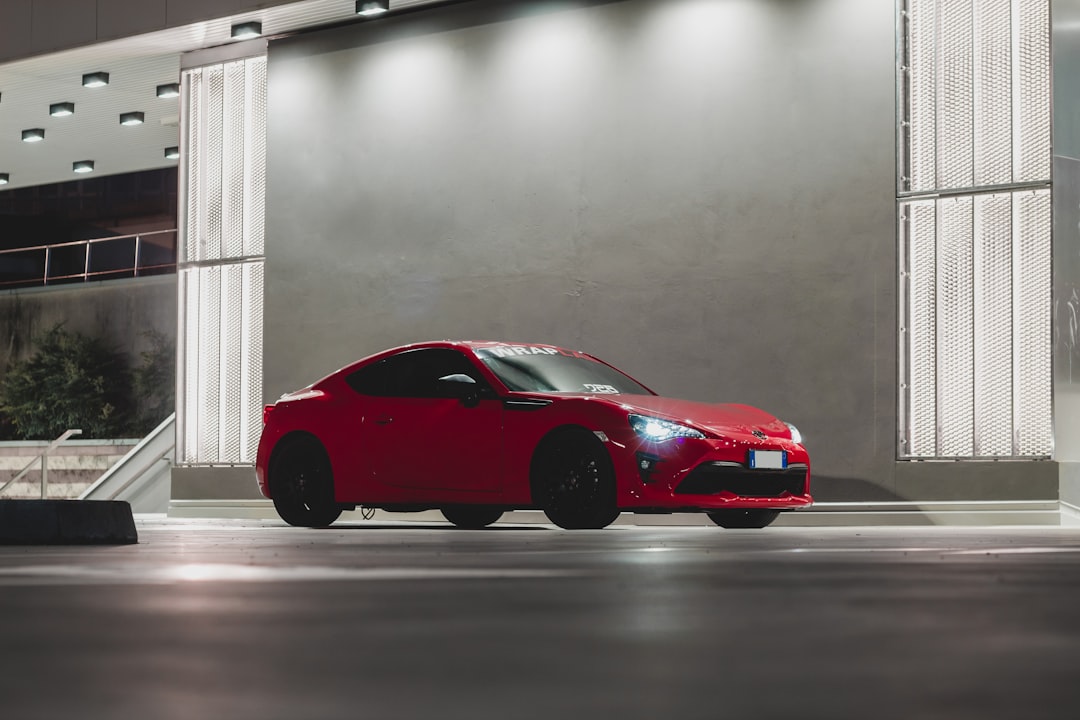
(302, 485)
(574, 481)
(743, 519)
(472, 517)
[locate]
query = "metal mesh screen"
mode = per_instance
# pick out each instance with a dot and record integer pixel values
(993, 325)
(221, 297)
(974, 229)
(955, 343)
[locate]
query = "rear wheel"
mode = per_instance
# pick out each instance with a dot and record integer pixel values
(302, 484)
(743, 519)
(472, 517)
(574, 482)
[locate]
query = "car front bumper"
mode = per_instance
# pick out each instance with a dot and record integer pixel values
(691, 474)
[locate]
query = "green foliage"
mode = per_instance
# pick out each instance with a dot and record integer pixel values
(155, 383)
(71, 381)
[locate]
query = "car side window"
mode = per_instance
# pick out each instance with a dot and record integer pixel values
(414, 373)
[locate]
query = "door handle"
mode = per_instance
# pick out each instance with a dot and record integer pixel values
(384, 420)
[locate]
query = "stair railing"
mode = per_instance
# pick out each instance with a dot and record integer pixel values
(44, 459)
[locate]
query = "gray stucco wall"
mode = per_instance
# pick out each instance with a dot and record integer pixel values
(699, 192)
(120, 311)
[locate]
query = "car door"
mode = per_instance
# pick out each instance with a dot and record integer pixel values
(419, 434)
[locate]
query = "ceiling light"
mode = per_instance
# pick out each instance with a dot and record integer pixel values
(95, 79)
(132, 118)
(62, 109)
(367, 8)
(247, 30)
(172, 153)
(4, 178)
(33, 135)
(168, 91)
(83, 166)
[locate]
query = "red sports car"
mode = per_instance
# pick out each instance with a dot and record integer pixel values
(478, 428)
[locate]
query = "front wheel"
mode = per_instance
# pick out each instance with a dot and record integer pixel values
(472, 517)
(743, 519)
(574, 482)
(302, 484)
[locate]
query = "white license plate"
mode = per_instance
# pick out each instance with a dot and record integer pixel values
(768, 459)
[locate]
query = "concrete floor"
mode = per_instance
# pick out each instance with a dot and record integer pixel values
(251, 619)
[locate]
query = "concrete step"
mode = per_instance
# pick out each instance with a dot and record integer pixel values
(73, 467)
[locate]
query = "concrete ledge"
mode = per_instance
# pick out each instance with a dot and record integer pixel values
(956, 514)
(66, 522)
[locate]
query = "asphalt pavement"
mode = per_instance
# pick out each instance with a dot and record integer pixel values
(253, 619)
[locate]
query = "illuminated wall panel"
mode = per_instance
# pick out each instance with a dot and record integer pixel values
(223, 172)
(974, 225)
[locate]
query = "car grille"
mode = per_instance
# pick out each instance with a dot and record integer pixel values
(710, 479)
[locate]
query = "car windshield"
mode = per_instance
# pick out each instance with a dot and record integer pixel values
(543, 368)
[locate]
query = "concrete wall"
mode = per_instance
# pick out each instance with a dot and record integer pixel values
(1066, 48)
(35, 27)
(698, 192)
(120, 311)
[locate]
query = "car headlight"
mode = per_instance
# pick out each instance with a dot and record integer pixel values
(796, 436)
(655, 429)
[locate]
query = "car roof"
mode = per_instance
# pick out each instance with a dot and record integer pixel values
(457, 344)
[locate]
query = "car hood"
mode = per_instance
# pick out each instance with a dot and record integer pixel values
(718, 418)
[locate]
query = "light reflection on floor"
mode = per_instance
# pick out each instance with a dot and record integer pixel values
(220, 572)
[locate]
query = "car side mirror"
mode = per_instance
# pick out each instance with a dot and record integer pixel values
(462, 387)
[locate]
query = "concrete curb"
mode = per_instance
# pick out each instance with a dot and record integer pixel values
(66, 522)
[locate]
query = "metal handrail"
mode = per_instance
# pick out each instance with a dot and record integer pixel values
(43, 457)
(86, 275)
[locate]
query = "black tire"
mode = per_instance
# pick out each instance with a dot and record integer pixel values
(743, 519)
(302, 484)
(472, 517)
(573, 481)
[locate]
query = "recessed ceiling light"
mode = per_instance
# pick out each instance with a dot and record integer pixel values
(246, 30)
(82, 166)
(168, 91)
(62, 109)
(367, 8)
(132, 118)
(172, 153)
(95, 79)
(33, 135)
(4, 178)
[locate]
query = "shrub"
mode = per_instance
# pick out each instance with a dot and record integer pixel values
(71, 381)
(155, 383)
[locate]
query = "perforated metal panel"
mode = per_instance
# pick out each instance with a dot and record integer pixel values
(974, 224)
(1032, 253)
(955, 95)
(993, 325)
(955, 344)
(921, 84)
(993, 92)
(921, 330)
(221, 275)
(1032, 100)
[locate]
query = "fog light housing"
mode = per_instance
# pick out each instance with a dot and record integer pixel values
(646, 465)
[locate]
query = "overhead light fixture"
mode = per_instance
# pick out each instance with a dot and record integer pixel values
(62, 109)
(168, 91)
(82, 166)
(4, 178)
(247, 30)
(172, 153)
(132, 118)
(33, 135)
(367, 8)
(95, 79)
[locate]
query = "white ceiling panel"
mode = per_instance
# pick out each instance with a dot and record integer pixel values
(136, 66)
